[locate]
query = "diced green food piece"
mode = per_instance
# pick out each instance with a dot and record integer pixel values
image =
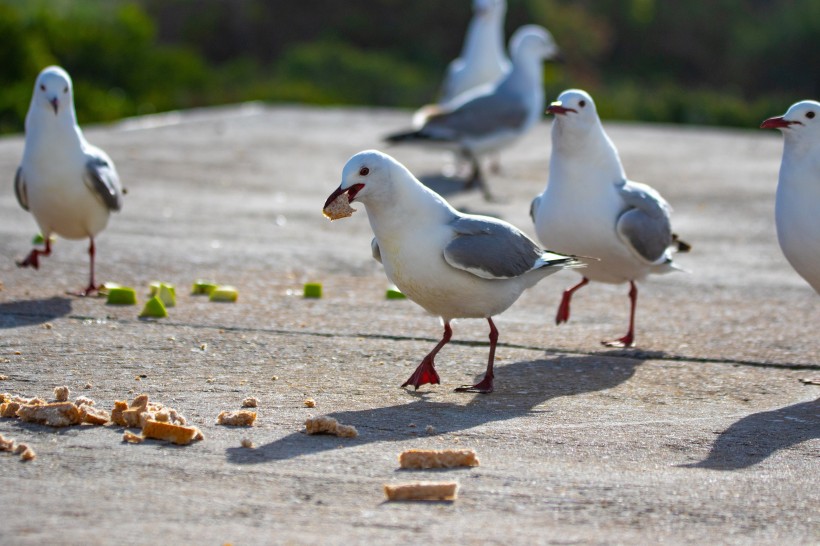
(203, 287)
(38, 239)
(224, 293)
(122, 295)
(155, 286)
(394, 293)
(167, 294)
(313, 290)
(154, 308)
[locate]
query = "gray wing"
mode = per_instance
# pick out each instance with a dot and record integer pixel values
(490, 248)
(478, 117)
(102, 178)
(534, 206)
(645, 226)
(20, 188)
(374, 248)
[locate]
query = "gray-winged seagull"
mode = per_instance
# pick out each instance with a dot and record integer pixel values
(68, 185)
(454, 265)
(492, 117)
(798, 189)
(590, 208)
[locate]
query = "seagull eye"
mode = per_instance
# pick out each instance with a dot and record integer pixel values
(364, 171)
(810, 115)
(42, 87)
(65, 89)
(582, 103)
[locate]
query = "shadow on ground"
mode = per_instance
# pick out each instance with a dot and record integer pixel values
(16, 314)
(520, 387)
(758, 436)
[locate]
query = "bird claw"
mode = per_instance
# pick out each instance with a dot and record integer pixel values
(424, 374)
(89, 290)
(485, 386)
(625, 342)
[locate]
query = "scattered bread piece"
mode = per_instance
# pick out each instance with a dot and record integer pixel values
(131, 438)
(250, 402)
(5, 397)
(437, 458)
(430, 429)
(432, 491)
(339, 208)
(94, 416)
(6, 444)
(329, 425)
(61, 394)
(28, 454)
(116, 413)
(177, 434)
(131, 416)
(57, 414)
(19, 448)
(241, 418)
(83, 401)
(9, 409)
(247, 443)
(310, 403)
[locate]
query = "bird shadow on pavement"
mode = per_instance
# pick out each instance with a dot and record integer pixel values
(520, 388)
(759, 435)
(16, 314)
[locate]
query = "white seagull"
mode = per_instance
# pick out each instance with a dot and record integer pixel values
(68, 185)
(483, 59)
(798, 189)
(454, 265)
(491, 117)
(590, 208)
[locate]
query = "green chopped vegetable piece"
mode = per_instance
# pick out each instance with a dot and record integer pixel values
(122, 295)
(395, 294)
(313, 290)
(203, 287)
(224, 293)
(154, 308)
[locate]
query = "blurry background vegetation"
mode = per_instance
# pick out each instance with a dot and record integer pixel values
(719, 62)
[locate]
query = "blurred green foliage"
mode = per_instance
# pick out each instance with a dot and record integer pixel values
(719, 62)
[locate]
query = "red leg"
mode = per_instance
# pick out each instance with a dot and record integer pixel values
(563, 308)
(629, 339)
(33, 258)
(426, 371)
(485, 386)
(92, 287)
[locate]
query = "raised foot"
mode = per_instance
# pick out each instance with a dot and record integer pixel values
(563, 311)
(621, 343)
(424, 374)
(485, 386)
(32, 260)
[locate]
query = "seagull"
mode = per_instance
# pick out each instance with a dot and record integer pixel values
(590, 208)
(798, 188)
(453, 265)
(68, 185)
(483, 59)
(489, 118)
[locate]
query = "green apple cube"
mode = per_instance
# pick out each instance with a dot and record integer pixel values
(224, 293)
(394, 293)
(122, 295)
(167, 294)
(154, 308)
(203, 287)
(313, 290)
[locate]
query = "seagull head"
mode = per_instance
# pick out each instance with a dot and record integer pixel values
(533, 41)
(53, 90)
(483, 8)
(573, 107)
(366, 176)
(802, 118)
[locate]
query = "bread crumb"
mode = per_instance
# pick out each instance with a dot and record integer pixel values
(131, 438)
(177, 434)
(3, 377)
(247, 443)
(430, 429)
(28, 455)
(19, 448)
(61, 393)
(310, 403)
(241, 418)
(437, 458)
(9, 409)
(88, 386)
(83, 401)
(432, 491)
(6, 444)
(329, 425)
(339, 207)
(94, 416)
(250, 402)
(57, 414)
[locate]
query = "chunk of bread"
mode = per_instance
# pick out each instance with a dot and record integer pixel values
(177, 434)
(437, 458)
(9, 409)
(56, 414)
(339, 208)
(61, 394)
(241, 418)
(94, 416)
(6, 444)
(250, 402)
(427, 491)
(329, 425)
(131, 438)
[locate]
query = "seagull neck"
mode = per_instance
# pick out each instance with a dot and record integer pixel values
(43, 128)
(577, 153)
(485, 39)
(389, 213)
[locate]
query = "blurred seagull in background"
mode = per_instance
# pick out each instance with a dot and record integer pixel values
(489, 118)
(797, 204)
(454, 265)
(483, 59)
(69, 185)
(590, 208)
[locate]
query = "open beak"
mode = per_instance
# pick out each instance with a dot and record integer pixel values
(777, 123)
(351, 194)
(55, 103)
(556, 108)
